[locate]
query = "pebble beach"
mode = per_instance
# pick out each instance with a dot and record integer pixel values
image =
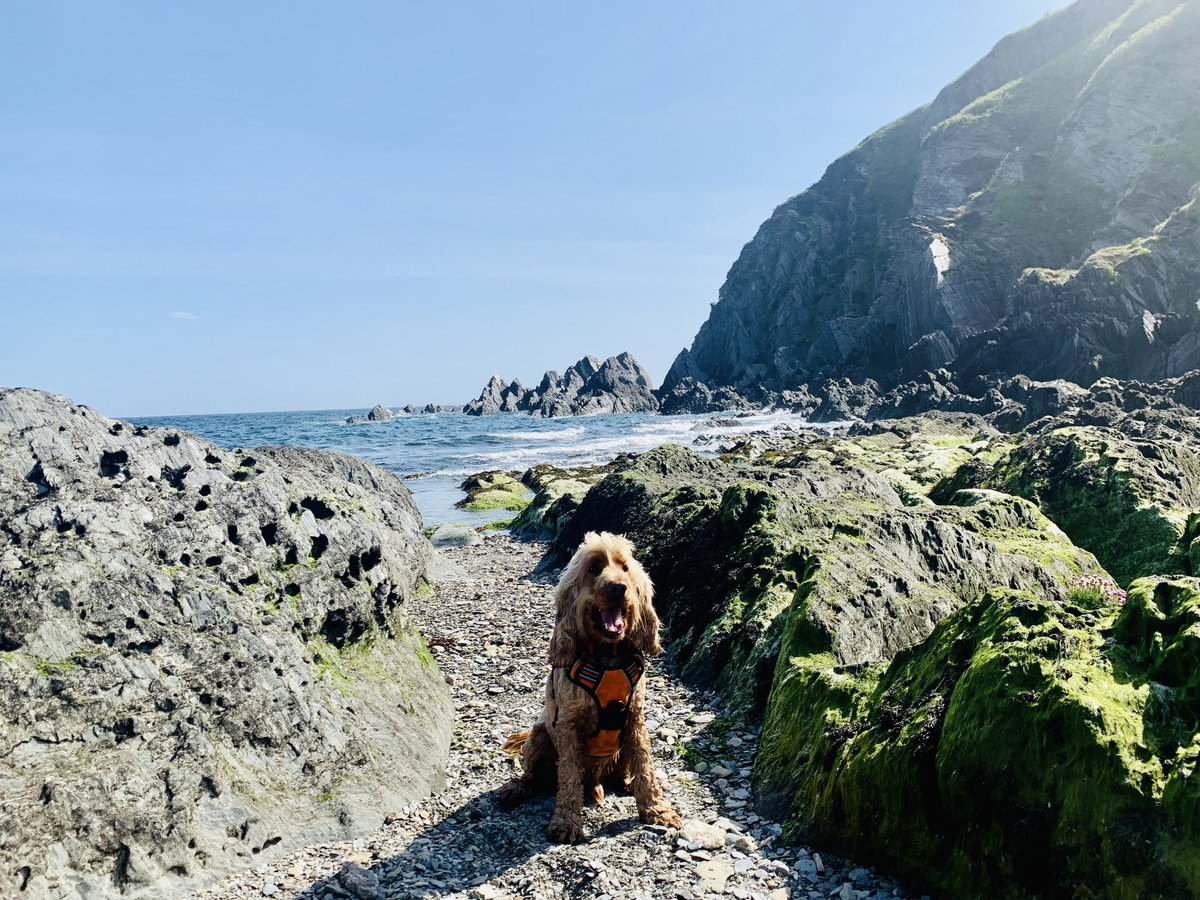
(488, 625)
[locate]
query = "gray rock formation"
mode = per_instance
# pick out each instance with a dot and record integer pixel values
(1039, 217)
(204, 653)
(379, 413)
(618, 385)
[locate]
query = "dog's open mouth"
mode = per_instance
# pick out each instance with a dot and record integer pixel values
(612, 620)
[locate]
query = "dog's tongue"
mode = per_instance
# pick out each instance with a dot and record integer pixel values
(614, 621)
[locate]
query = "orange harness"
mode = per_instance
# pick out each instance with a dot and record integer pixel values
(610, 681)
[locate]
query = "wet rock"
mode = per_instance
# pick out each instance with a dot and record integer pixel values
(377, 414)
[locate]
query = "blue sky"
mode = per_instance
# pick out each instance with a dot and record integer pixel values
(220, 206)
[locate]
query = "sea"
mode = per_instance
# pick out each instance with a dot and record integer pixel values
(434, 452)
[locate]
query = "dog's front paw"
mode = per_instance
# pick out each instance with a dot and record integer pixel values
(662, 815)
(564, 832)
(513, 794)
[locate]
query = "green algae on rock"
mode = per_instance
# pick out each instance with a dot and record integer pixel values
(1023, 749)
(937, 694)
(1126, 498)
(557, 495)
(493, 490)
(732, 547)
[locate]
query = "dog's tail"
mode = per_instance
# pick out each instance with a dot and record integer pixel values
(515, 742)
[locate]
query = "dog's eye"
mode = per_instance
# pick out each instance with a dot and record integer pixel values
(595, 569)
(625, 568)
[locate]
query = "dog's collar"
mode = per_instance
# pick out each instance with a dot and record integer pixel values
(610, 654)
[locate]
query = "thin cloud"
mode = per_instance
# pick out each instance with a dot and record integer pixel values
(184, 315)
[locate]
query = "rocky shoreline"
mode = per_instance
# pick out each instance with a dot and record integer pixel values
(488, 628)
(947, 644)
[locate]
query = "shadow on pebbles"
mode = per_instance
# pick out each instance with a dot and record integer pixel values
(489, 630)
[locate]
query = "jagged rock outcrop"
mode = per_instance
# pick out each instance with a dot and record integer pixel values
(1038, 218)
(204, 653)
(618, 385)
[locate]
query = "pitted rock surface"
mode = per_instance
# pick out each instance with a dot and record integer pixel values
(205, 655)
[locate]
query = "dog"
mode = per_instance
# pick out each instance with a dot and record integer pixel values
(592, 731)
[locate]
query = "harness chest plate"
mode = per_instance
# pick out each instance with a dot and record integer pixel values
(610, 683)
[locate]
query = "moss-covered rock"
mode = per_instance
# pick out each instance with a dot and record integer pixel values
(944, 689)
(494, 490)
(1125, 497)
(557, 495)
(938, 693)
(1026, 748)
(732, 547)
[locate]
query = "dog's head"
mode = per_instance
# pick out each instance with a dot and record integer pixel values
(604, 595)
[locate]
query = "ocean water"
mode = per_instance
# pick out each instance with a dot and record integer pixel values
(434, 452)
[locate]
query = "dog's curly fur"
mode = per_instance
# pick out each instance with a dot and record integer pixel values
(602, 574)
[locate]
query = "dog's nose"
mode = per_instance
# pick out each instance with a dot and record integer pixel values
(616, 590)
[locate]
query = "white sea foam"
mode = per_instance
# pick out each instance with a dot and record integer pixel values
(551, 435)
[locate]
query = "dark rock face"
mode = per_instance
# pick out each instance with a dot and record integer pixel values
(1039, 217)
(204, 653)
(618, 385)
(692, 396)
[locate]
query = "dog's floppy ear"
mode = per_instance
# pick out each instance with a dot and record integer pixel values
(564, 643)
(644, 631)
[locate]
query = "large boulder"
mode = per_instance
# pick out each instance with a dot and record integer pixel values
(205, 657)
(1127, 492)
(952, 691)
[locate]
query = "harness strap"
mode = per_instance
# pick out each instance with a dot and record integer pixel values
(611, 687)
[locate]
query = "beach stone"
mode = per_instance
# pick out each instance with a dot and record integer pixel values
(359, 882)
(447, 535)
(700, 835)
(807, 869)
(713, 875)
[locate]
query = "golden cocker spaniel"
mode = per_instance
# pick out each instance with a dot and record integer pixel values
(592, 731)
